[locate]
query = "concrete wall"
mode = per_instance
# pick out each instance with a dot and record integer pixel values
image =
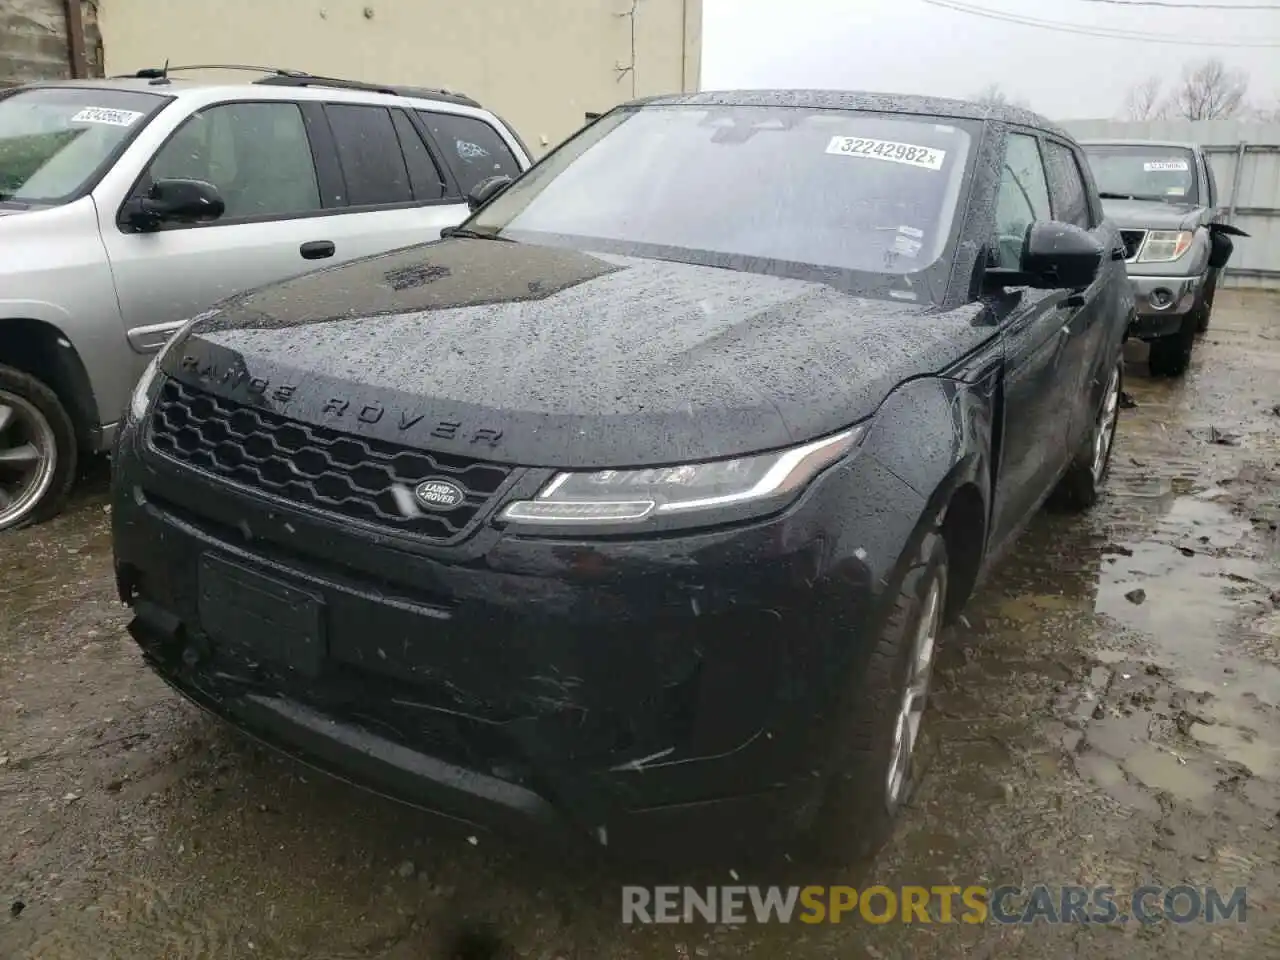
(541, 64)
(1246, 166)
(33, 40)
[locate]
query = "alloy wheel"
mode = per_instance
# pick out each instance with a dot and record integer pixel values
(1104, 429)
(28, 457)
(915, 696)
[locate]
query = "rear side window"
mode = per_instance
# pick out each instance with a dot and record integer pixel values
(424, 176)
(473, 150)
(369, 152)
(1066, 186)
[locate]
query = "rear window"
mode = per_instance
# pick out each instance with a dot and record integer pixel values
(473, 149)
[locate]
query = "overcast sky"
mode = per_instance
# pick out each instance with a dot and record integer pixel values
(909, 46)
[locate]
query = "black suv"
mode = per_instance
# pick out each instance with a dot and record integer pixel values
(642, 498)
(1164, 197)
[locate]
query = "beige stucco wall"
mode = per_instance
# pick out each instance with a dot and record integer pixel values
(541, 64)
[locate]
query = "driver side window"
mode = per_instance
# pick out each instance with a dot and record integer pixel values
(257, 155)
(1023, 199)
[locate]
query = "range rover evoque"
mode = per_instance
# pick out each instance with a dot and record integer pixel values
(641, 498)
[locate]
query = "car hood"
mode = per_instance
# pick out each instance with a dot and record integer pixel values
(541, 356)
(1151, 214)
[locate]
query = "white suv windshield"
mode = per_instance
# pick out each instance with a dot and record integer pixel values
(54, 139)
(852, 191)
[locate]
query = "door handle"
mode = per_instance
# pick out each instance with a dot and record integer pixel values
(317, 249)
(1075, 300)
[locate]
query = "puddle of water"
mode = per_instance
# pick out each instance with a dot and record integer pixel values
(1159, 770)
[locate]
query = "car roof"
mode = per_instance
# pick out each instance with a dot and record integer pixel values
(864, 100)
(300, 86)
(1140, 142)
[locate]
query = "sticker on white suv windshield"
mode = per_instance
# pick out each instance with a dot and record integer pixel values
(928, 158)
(1173, 166)
(116, 118)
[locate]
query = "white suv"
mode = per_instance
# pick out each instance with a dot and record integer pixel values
(129, 205)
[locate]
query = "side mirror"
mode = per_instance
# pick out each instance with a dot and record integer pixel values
(486, 190)
(175, 201)
(1061, 256)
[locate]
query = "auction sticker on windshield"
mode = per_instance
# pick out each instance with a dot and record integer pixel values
(929, 158)
(116, 118)
(1173, 166)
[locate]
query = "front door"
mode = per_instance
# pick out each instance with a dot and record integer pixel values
(281, 219)
(1035, 331)
(1086, 364)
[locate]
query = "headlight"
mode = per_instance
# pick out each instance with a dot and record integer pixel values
(630, 496)
(1165, 246)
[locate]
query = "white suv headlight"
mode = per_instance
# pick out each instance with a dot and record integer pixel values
(608, 497)
(1165, 246)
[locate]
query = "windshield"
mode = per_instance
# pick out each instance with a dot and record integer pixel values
(1144, 171)
(53, 140)
(764, 189)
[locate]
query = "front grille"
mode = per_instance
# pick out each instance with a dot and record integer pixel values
(1132, 242)
(338, 473)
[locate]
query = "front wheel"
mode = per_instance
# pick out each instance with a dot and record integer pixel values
(1204, 309)
(1081, 486)
(37, 450)
(875, 768)
(1171, 356)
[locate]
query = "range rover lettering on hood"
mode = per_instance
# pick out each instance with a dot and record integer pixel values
(336, 410)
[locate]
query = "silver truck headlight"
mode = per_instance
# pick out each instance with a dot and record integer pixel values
(607, 497)
(1165, 246)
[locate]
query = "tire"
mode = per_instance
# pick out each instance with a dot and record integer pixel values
(38, 451)
(1204, 307)
(859, 805)
(1171, 356)
(1081, 486)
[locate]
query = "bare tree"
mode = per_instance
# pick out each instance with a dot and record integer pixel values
(1209, 91)
(993, 95)
(1264, 114)
(1145, 100)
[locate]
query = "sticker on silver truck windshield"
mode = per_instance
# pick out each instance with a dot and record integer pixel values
(1169, 166)
(116, 118)
(929, 158)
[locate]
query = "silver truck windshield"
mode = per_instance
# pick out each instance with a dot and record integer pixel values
(1144, 171)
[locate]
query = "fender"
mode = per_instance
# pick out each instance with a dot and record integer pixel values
(940, 435)
(40, 347)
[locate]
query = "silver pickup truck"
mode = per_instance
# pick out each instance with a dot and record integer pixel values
(1164, 198)
(129, 205)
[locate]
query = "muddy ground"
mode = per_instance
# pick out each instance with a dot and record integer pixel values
(1082, 732)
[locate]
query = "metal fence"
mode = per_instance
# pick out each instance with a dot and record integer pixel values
(1246, 164)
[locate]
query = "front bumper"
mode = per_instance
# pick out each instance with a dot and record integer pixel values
(1162, 304)
(598, 690)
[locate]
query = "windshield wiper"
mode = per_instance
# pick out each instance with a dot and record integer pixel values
(450, 232)
(1154, 198)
